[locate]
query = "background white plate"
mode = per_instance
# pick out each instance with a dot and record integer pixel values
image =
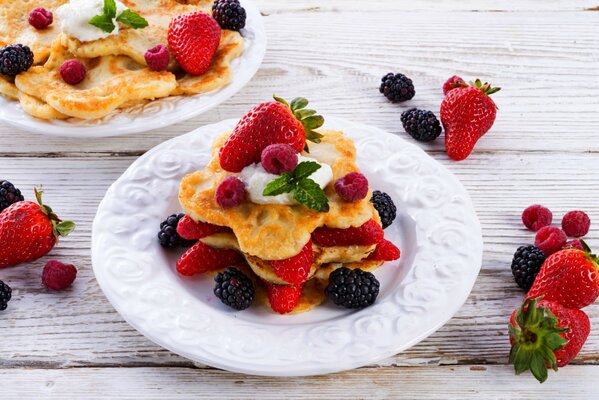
(155, 114)
(437, 230)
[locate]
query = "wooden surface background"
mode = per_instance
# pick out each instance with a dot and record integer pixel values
(543, 148)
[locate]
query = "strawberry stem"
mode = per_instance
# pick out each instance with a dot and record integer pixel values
(309, 118)
(486, 87)
(60, 227)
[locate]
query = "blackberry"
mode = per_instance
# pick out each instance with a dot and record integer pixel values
(5, 295)
(526, 265)
(15, 59)
(168, 235)
(385, 207)
(352, 288)
(397, 87)
(422, 125)
(234, 289)
(9, 194)
(229, 14)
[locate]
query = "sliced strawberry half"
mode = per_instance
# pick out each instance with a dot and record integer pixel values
(365, 235)
(202, 258)
(295, 270)
(189, 229)
(284, 298)
(385, 251)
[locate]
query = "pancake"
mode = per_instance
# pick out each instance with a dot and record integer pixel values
(8, 88)
(37, 108)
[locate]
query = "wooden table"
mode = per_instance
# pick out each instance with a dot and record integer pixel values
(543, 148)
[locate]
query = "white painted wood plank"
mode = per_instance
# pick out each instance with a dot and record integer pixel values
(458, 382)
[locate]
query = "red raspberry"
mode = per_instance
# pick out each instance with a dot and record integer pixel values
(58, 276)
(452, 83)
(295, 270)
(574, 244)
(576, 223)
(284, 298)
(72, 72)
(550, 239)
(385, 251)
(230, 192)
(352, 187)
(202, 258)
(188, 229)
(157, 58)
(365, 235)
(40, 18)
(278, 158)
(536, 216)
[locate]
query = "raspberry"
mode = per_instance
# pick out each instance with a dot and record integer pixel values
(188, 229)
(157, 58)
(352, 288)
(368, 234)
(230, 192)
(58, 276)
(574, 244)
(278, 158)
(452, 83)
(234, 289)
(550, 239)
(168, 235)
(295, 270)
(9, 194)
(202, 258)
(283, 298)
(422, 125)
(40, 18)
(576, 223)
(385, 251)
(352, 187)
(384, 206)
(15, 59)
(229, 14)
(526, 264)
(536, 216)
(5, 295)
(72, 72)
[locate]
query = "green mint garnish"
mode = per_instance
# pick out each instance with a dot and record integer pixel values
(103, 22)
(303, 189)
(132, 19)
(110, 8)
(127, 17)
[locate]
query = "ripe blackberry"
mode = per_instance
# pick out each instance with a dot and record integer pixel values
(352, 288)
(422, 125)
(9, 194)
(5, 295)
(15, 59)
(526, 265)
(397, 87)
(234, 289)
(168, 235)
(385, 207)
(229, 14)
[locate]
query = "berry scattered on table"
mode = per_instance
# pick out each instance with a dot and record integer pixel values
(9, 195)
(352, 288)
(191, 230)
(40, 18)
(168, 236)
(365, 235)
(550, 239)
(5, 295)
(295, 270)
(383, 203)
(72, 72)
(422, 125)
(278, 158)
(234, 289)
(536, 217)
(452, 83)
(58, 276)
(230, 192)
(201, 258)
(229, 14)
(526, 264)
(283, 298)
(397, 87)
(352, 187)
(576, 223)
(385, 251)
(157, 57)
(574, 244)
(15, 59)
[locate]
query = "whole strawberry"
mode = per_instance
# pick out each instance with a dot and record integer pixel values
(569, 277)
(467, 113)
(29, 230)
(273, 122)
(546, 334)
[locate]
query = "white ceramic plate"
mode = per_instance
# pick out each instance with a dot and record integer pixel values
(437, 230)
(155, 114)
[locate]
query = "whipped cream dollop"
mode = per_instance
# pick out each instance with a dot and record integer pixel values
(256, 178)
(75, 15)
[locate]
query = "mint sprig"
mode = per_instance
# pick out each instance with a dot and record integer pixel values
(303, 189)
(127, 17)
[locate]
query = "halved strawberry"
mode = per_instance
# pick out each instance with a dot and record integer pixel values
(283, 298)
(189, 229)
(364, 235)
(295, 270)
(202, 258)
(385, 251)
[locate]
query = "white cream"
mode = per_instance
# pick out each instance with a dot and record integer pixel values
(256, 178)
(75, 15)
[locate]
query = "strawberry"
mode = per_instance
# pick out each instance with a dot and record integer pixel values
(29, 230)
(189, 229)
(384, 251)
(569, 277)
(546, 334)
(295, 270)
(467, 113)
(273, 122)
(368, 234)
(283, 298)
(194, 38)
(201, 258)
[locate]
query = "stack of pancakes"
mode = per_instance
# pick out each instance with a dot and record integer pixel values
(117, 73)
(265, 232)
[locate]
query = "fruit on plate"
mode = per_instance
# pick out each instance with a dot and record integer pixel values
(201, 258)
(168, 236)
(295, 270)
(467, 113)
(576, 223)
(536, 217)
(364, 235)
(29, 230)
(189, 229)
(234, 289)
(546, 334)
(273, 122)
(283, 298)
(352, 288)
(569, 277)
(229, 14)
(383, 203)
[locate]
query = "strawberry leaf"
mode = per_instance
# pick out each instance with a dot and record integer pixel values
(64, 228)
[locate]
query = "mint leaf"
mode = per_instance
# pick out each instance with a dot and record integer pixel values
(109, 8)
(132, 19)
(305, 169)
(283, 184)
(103, 22)
(309, 193)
